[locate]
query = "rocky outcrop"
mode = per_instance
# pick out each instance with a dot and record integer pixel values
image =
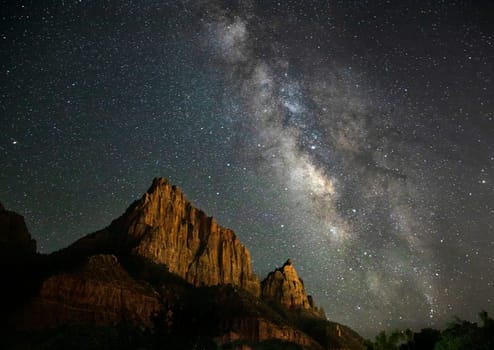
(15, 240)
(86, 284)
(99, 293)
(283, 286)
(256, 330)
(166, 228)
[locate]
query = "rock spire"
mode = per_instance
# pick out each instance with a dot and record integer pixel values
(283, 286)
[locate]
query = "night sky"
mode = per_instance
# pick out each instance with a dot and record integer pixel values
(355, 137)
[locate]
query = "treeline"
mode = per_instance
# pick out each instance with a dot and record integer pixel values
(459, 335)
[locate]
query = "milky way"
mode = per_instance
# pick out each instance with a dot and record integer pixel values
(356, 138)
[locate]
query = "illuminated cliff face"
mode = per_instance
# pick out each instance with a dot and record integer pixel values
(167, 229)
(117, 276)
(283, 286)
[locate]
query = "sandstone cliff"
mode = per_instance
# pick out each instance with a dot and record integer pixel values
(116, 276)
(99, 293)
(283, 286)
(166, 228)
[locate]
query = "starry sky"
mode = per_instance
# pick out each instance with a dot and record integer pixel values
(355, 137)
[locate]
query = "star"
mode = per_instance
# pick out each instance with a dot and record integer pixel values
(330, 133)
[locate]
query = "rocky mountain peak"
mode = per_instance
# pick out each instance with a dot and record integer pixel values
(115, 277)
(166, 228)
(283, 286)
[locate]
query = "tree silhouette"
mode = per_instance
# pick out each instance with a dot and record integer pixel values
(459, 335)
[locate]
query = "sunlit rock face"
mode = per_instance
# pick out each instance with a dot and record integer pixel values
(166, 228)
(116, 276)
(283, 286)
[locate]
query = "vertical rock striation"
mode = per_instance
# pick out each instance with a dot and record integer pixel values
(86, 284)
(164, 226)
(283, 286)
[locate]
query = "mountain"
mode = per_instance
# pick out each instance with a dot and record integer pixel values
(285, 287)
(166, 228)
(163, 275)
